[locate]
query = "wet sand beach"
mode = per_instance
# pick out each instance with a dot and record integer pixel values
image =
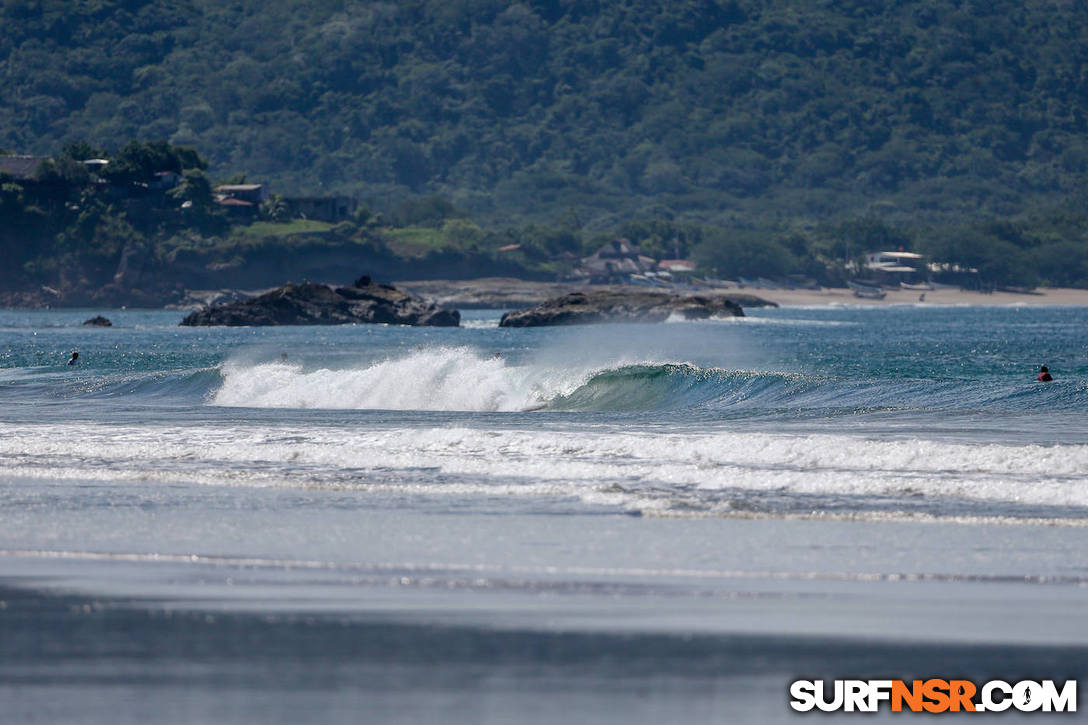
(508, 293)
(842, 296)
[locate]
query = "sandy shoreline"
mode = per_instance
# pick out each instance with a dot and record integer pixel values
(841, 296)
(508, 293)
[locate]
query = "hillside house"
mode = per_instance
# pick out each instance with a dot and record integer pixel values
(241, 201)
(255, 194)
(22, 169)
(614, 262)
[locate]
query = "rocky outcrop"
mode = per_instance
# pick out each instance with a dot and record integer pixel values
(321, 304)
(584, 308)
(98, 321)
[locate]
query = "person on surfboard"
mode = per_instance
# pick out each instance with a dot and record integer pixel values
(1044, 375)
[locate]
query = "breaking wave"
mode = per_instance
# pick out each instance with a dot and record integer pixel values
(463, 379)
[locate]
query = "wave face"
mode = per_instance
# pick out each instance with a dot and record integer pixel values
(678, 387)
(462, 379)
(670, 386)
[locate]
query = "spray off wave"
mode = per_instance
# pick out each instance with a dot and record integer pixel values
(453, 379)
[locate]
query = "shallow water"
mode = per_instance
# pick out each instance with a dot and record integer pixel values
(844, 490)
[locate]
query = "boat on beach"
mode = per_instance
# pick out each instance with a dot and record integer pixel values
(867, 291)
(921, 287)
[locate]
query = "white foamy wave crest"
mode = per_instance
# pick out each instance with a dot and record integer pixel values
(667, 474)
(455, 379)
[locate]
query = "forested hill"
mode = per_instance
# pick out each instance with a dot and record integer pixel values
(723, 111)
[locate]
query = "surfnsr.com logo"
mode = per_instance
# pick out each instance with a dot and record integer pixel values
(933, 696)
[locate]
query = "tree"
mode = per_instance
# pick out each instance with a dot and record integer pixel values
(429, 211)
(195, 190)
(80, 151)
(275, 209)
(138, 162)
(745, 253)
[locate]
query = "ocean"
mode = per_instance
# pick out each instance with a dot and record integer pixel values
(627, 523)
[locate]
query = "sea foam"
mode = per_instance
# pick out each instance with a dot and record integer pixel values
(722, 473)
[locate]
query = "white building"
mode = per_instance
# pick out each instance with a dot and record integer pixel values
(893, 267)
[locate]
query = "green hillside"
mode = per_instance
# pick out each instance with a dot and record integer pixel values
(729, 112)
(756, 138)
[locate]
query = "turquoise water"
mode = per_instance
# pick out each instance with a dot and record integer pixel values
(918, 363)
(853, 410)
(654, 522)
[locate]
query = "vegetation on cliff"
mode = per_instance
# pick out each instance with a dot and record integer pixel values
(759, 138)
(713, 110)
(122, 235)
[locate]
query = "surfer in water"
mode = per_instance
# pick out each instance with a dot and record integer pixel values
(74, 360)
(1044, 375)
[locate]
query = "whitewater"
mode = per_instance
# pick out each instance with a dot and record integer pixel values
(696, 511)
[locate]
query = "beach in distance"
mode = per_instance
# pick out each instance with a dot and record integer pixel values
(505, 292)
(953, 296)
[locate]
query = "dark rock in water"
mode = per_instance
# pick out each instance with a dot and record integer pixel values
(584, 308)
(99, 321)
(322, 304)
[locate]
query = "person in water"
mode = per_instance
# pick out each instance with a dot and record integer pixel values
(74, 360)
(1044, 375)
